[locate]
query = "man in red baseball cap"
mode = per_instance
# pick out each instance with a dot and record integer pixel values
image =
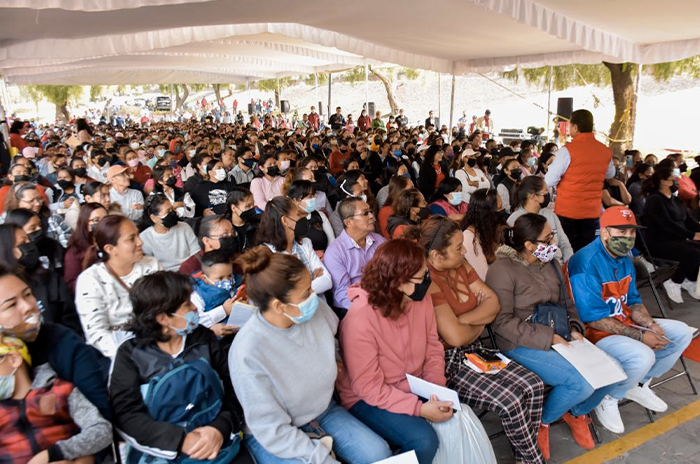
(604, 286)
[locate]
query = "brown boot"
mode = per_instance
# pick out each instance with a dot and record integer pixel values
(580, 430)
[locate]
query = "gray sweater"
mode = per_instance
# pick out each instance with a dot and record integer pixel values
(171, 248)
(284, 378)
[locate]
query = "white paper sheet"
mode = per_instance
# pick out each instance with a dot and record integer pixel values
(240, 313)
(594, 364)
(405, 458)
(426, 389)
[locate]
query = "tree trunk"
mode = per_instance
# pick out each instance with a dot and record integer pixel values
(277, 96)
(217, 92)
(180, 100)
(623, 77)
(389, 91)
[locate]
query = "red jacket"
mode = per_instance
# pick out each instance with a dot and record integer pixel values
(314, 120)
(31, 425)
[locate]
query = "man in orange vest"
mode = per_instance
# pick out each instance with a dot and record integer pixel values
(578, 173)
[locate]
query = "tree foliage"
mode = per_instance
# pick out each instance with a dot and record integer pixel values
(275, 85)
(60, 95)
(354, 75)
(622, 77)
(311, 80)
(96, 91)
(410, 73)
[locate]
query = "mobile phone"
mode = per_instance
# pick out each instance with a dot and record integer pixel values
(629, 161)
(487, 356)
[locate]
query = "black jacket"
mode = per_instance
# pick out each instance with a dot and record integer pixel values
(137, 362)
(667, 220)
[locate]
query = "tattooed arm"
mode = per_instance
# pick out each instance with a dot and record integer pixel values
(613, 326)
(640, 315)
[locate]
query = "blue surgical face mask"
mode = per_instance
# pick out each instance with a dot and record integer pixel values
(192, 321)
(531, 161)
(456, 199)
(398, 153)
(160, 153)
(307, 308)
(676, 172)
(225, 284)
(310, 205)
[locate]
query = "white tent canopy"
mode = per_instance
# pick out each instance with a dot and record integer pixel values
(111, 41)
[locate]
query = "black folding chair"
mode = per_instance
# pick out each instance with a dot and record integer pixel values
(663, 270)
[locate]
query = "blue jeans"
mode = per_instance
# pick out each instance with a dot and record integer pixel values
(353, 442)
(400, 430)
(571, 391)
(640, 362)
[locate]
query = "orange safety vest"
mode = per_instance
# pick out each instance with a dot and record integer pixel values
(580, 190)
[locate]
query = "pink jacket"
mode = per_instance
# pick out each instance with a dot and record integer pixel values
(378, 353)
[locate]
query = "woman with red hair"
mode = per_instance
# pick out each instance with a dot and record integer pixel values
(390, 331)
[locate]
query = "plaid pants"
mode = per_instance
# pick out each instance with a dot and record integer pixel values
(515, 394)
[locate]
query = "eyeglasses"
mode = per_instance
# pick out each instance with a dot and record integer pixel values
(363, 213)
(548, 239)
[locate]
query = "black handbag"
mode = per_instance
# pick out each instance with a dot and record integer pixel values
(553, 315)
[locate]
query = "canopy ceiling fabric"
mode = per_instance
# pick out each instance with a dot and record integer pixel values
(103, 41)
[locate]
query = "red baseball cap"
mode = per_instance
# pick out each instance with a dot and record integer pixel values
(619, 217)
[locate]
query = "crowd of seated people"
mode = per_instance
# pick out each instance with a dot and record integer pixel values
(366, 253)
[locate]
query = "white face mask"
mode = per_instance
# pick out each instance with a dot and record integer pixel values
(284, 165)
(134, 145)
(220, 174)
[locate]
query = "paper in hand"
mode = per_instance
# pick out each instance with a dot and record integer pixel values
(426, 389)
(240, 313)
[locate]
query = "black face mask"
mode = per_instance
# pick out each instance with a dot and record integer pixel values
(683, 167)
(249, 162)
(272, 171)
(81, 172)
(424, 213)
(546, 200)
(421, 289)
(674, 187)
(65, 184)
(30, 255)
(170, 220)
(101, 162)
(471, 162)
(21, 178)
(171, 182)
(516, 174)
(301, 228)
(36, 235)
(249, 216)
(322, 170)
(227, 244)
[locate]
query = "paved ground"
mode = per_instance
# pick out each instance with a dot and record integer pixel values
(666, 441)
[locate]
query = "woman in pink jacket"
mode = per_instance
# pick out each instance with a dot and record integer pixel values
(390, 331)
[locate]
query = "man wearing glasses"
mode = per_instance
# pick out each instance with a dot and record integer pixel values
(346, 257)
(130, 200)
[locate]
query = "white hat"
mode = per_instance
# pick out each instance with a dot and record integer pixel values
(469, 152)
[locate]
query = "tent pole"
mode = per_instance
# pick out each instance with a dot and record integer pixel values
(3, 117)
(549, 99)
(437, 129)
(318, 96)
(249, 97)
(452, 106)
(366, 89)
(330, 85)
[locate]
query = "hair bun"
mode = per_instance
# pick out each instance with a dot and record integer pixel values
(255, 260)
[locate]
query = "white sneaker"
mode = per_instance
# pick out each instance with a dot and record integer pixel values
(609, 415)
(691, 288)
(673, 290)
(646, 397)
